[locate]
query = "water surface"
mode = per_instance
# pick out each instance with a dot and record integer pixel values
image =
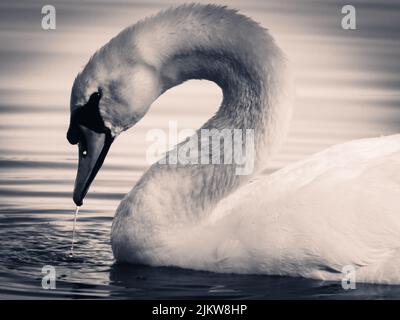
(348, 88)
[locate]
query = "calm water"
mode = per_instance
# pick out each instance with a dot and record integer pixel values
(348, 88)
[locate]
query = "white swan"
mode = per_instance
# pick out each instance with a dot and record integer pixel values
(340, 207)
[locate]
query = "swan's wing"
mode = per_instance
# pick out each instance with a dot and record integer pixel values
(339, 207)
(340, 162)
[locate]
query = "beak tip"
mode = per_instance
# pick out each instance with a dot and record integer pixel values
(77, 200)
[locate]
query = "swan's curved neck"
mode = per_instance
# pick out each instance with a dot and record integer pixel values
(251, 71)
(243, 85)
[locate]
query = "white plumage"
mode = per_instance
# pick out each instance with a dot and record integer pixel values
(339, 207)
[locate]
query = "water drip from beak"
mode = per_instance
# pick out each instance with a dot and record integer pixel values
(71, 253)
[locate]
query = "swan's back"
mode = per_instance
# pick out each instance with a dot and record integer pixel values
(339, 207)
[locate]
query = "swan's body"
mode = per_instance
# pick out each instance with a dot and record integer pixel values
(337, 208)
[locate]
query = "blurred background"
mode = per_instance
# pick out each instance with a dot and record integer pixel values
(347, 88)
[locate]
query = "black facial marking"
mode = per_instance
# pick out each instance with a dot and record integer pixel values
(87, 116)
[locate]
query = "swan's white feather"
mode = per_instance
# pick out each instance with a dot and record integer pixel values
(337, 208)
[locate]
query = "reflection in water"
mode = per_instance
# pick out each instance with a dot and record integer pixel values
(348, 88)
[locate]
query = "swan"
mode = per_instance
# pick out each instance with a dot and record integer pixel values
(337, 208)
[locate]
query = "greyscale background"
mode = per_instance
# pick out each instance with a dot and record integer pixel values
(347, 88)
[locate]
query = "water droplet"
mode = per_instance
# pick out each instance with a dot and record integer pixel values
(71, 253)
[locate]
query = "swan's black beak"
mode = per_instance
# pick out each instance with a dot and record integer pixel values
(93, 148)
(87, 129)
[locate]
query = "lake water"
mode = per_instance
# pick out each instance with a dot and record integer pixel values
(348, 88)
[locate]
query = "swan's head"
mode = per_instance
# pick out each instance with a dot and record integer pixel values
(109, 96)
